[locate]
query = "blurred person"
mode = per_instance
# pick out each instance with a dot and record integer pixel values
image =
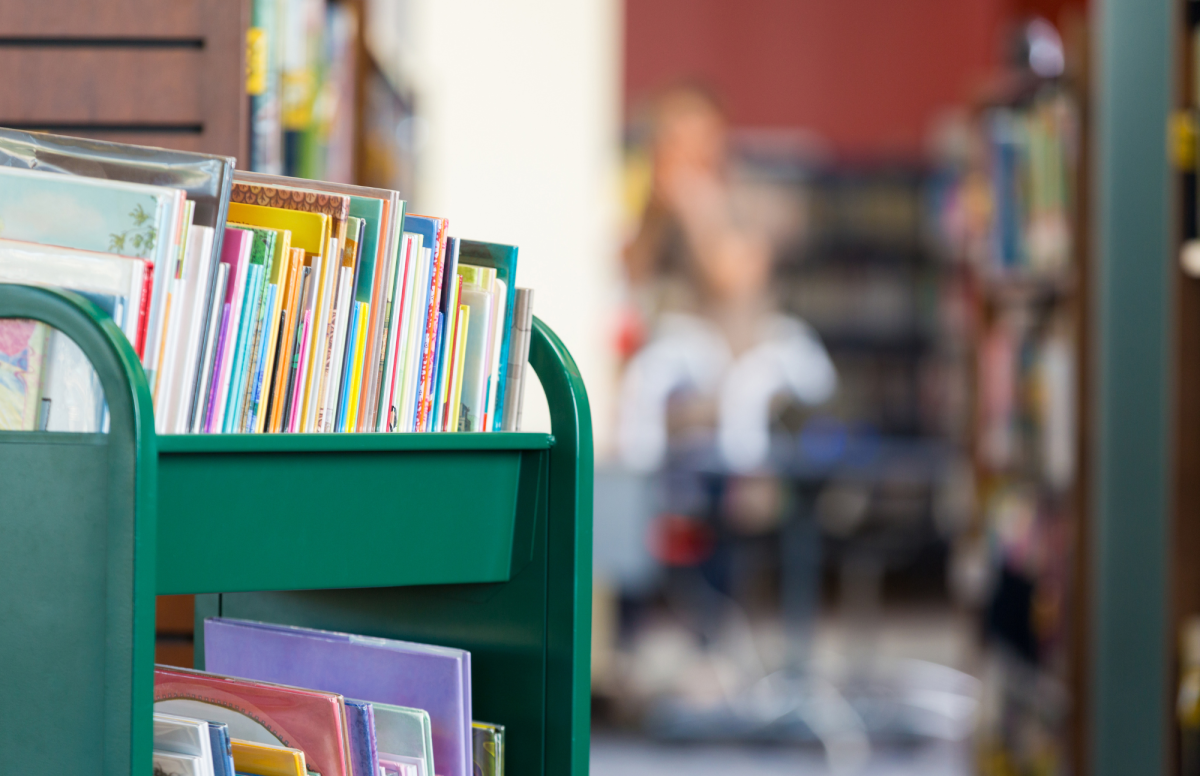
(700, 266)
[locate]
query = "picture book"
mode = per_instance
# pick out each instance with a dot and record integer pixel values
(401, 673)
(181, 735)
(488, 748)
(404, 735)
(222, 751)
(518, 357)
(360, 726)
(171, 764)
(503, 259)
(22, 351)
(308, 720)
(257, 759)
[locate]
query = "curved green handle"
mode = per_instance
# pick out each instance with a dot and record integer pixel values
(124, 564)
(569, 608)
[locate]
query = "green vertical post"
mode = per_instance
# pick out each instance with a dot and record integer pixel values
(1133, 372)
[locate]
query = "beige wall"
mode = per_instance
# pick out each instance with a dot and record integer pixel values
(520, 105)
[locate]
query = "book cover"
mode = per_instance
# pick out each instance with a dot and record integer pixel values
(22, 352)
(255, 759)
(405, 736)
(200, 402)
(429, 339)
(129, 219)
(256, 711)
(396, 333)
(235, 255)
(448, 308)
(182, 735)
(488, 748)
(475, 357)
(222, 752)
(360, 726)
(198, 270)
(518, 358)
(462, 328)
(401, 673)
(283, 350)
(250, 337)
(205, 179)
(503, 259)
(170, 764)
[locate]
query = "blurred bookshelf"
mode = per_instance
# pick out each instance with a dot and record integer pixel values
(1009, 214)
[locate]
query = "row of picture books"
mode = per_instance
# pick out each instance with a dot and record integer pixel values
(256, 303)
(279, 700)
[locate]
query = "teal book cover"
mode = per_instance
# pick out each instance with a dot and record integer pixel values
(503, 259)
(245, 330)
(370, 210)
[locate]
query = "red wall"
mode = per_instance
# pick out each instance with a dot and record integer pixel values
(868, 76)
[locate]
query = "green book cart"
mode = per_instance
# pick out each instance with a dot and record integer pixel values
(478, 541)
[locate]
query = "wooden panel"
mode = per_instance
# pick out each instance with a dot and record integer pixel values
(175, 615)
(117, 86)
(141, 18)
(176, 141)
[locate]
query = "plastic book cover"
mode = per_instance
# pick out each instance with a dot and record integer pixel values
(488, 749)
(429, 341)
(80, 270)
(386, 671)
(128, 219)
(283, 351)
(254, 759)
(170, 764)
(503, 259)
(197, 271)
(475, 357)
(400, 766)
(22, 352)
(200, 400)
(205, 179)
(404, 735)
(454, 398)
(183, 735)
(360, 726)
(309, 720)
(391, 388)
(222, 752)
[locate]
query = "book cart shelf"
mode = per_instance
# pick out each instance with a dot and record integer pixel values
(476, 541)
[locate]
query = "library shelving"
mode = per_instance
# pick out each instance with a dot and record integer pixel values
(476, 541)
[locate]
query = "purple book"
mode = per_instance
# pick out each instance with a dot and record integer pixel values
(402, 673)
(360, 727)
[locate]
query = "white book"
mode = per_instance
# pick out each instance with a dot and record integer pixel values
(198, 270)
(392, 389)
(322, 333)
(333, 376)
(475, 359)
(518, 355)
(172, 764)
(308, 347)
(499, 298)
(186, 737)
(410, 377)
(202, 392)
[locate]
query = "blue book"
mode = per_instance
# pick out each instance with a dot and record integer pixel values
(436, 379)
(246, 326)
(222, 751)
(360, 730)
(256, 386)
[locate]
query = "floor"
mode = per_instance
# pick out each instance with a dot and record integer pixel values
(624, 756)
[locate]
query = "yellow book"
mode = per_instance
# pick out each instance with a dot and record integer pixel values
(265, 760)
(356, 373)
(313, 233)
(460, 352)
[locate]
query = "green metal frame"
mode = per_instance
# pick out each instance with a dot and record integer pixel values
(1129, 672)
(475, 540)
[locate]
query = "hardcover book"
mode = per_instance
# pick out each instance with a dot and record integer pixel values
(255, 711)
(385, 671)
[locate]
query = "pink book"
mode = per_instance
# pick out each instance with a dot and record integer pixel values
(265, 713)
(235, 251)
